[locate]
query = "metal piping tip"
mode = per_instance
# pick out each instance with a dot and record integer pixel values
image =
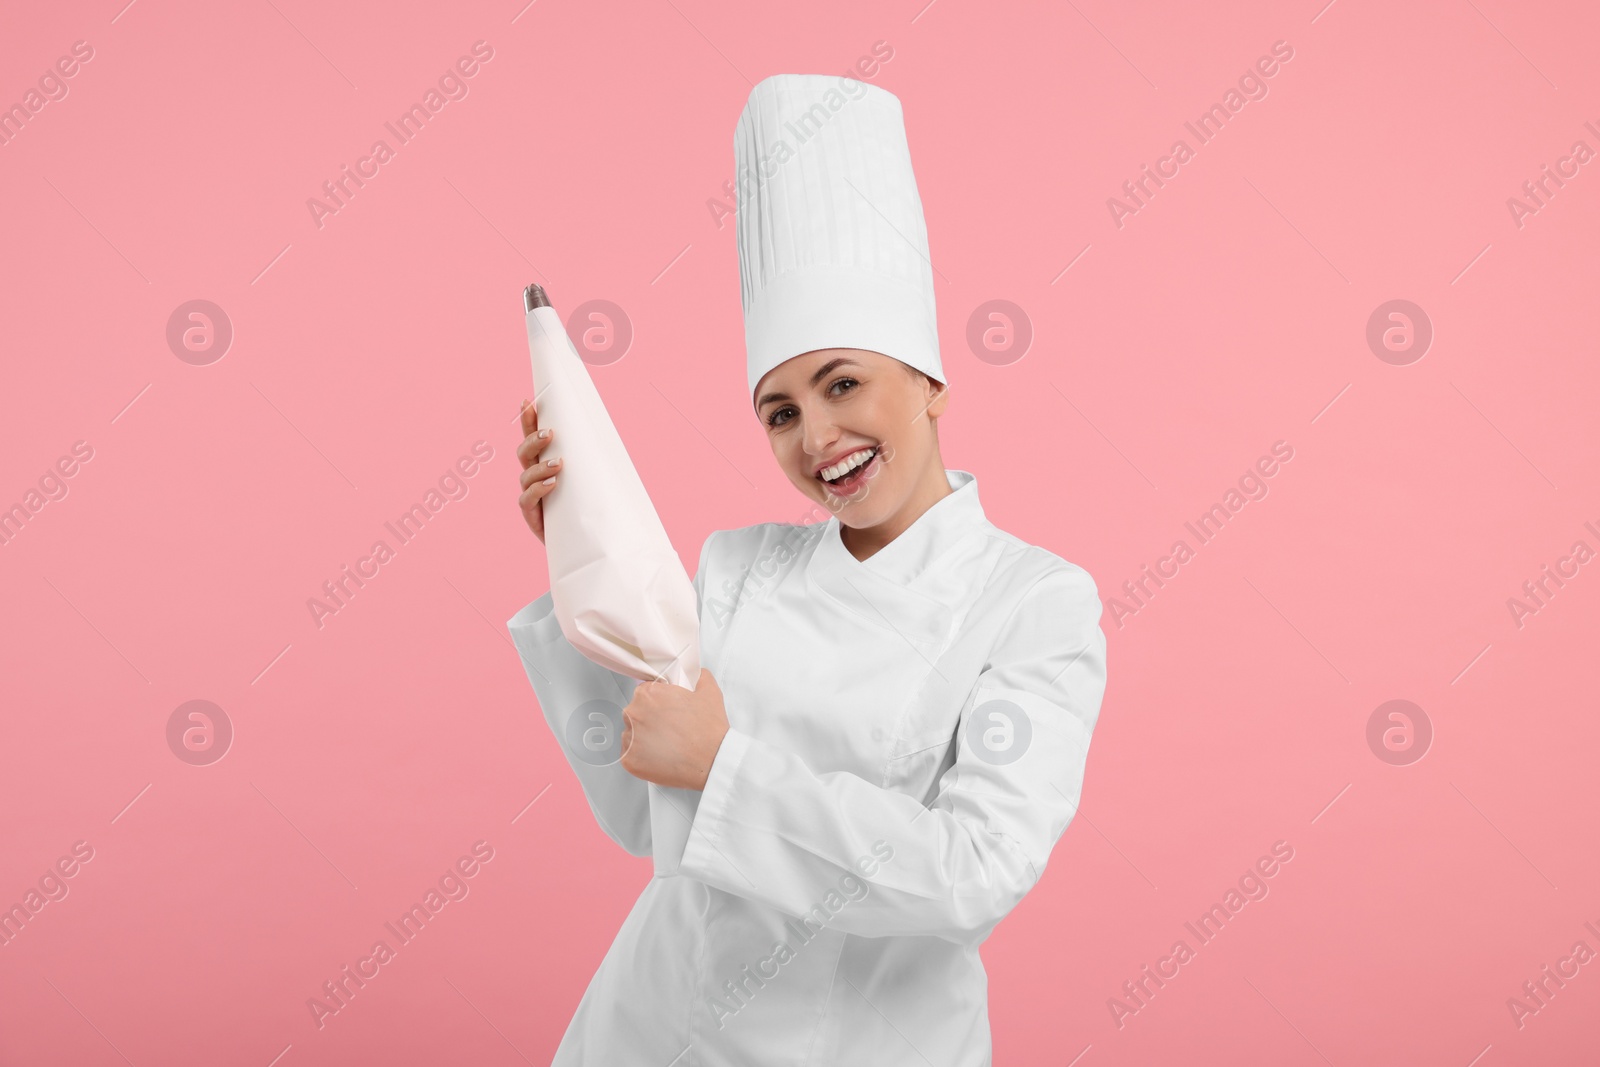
(534, 297)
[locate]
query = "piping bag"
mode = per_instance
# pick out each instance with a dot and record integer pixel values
(617, 585)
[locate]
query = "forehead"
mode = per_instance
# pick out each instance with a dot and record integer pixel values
(798, 370)
(811, 360)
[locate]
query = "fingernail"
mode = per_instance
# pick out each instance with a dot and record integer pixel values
(544, 434)
(549, 481)
(552, 463)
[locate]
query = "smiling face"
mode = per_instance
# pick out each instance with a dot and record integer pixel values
(866, 421)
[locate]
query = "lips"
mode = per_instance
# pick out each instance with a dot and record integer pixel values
(855, 478)
(840, 458)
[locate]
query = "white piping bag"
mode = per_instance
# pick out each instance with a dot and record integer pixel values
(618, 587)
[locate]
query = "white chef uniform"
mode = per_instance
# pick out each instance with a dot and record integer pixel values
(851, 687)
(907, 733)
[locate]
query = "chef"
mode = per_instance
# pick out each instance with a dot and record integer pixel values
(891, 725)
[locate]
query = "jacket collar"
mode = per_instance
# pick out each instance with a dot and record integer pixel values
(913, 584)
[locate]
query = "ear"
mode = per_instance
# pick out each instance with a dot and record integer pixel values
(938, 398)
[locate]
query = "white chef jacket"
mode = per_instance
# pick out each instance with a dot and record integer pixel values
(907, 739)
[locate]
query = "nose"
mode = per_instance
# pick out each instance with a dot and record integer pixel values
(819, 434)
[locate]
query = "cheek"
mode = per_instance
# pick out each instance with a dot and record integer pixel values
(782, 451)
(787, 455)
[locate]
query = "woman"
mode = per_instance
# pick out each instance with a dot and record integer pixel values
(890, 729)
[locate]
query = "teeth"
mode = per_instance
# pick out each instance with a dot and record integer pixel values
(848, 464)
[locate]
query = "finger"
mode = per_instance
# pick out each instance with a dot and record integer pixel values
(538, 472)
(534, 443)
(530, 419)
(533, 494)
(532, 499)
(535, 518)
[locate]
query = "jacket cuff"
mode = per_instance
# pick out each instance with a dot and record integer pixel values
(536, 625)
(724, 788)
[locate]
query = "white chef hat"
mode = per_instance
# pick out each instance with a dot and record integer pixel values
(833, 251)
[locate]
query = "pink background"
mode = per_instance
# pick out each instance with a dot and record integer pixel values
(369, 354)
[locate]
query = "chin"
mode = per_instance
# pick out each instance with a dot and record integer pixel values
(865, 509)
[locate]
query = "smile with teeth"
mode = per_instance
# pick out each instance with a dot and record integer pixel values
(840, 471)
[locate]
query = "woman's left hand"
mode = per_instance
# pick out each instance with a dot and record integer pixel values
(670, 736)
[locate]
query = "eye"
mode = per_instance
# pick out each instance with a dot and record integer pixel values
(780, 415)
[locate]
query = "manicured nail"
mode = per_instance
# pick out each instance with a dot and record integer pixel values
(549, 481)
(552, 463)
(544, 434)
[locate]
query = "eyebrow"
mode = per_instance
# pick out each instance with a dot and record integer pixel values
(822, 372)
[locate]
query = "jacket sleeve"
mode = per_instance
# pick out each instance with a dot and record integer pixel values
(879, 863)
(582, 703)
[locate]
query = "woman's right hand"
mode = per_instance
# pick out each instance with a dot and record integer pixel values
(538, 475)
